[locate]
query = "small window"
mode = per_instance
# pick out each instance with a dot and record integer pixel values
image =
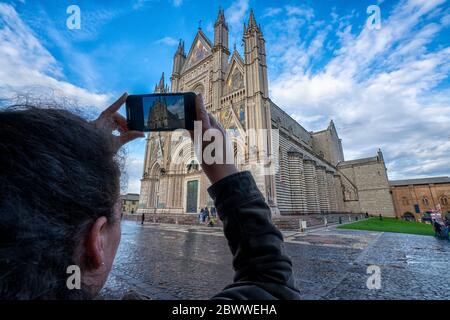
(444, 200)
(425, 201)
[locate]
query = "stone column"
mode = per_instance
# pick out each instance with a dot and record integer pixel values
(324, 203)
(331, 191)
(297, 182)
(312, 192)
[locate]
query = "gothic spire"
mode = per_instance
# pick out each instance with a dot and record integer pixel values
(221, 31)
(180, 49)
(221, 18)
(161, 87)
(161, 81)
(252, 21)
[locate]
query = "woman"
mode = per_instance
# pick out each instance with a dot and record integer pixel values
(60, 206)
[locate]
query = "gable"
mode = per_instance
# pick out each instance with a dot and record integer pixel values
(234, 79)
(201, 49)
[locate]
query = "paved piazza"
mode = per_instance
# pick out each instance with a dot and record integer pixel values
(187, 262)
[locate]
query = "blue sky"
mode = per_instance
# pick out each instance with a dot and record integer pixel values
(387, 88)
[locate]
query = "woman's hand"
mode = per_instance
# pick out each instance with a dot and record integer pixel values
(214, 172)
(110, 120)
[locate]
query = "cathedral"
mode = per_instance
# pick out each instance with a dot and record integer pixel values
(311, 175)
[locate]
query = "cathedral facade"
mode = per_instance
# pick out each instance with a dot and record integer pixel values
(310, 175)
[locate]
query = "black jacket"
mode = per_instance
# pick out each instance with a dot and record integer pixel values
(263, 269)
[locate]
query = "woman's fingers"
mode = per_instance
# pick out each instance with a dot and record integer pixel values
(116, 105)
(129, 136)
(202, 115)
(111, 120)
(125, 135)
(121, 122)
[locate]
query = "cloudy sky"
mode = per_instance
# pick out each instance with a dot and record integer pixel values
(386, 88)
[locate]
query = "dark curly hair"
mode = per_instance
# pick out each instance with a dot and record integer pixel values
(58, 174)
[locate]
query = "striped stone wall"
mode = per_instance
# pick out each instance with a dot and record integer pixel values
(305, 183)
(331, 192)
(312, 190)
(323, 189)
(297, 182)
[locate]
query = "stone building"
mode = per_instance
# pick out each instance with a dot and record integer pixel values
(130, 203)
(415, 197)
(310, 173)
(370, 178)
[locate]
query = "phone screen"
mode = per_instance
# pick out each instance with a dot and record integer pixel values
(160, 112)
(164, 112)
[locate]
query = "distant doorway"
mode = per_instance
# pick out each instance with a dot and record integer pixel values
(192, 196)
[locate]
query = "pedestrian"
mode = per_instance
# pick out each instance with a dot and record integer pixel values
(437, 228)
(142, 219)
(206, 216)
(214, 212)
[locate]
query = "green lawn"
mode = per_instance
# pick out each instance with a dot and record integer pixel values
(391, 225)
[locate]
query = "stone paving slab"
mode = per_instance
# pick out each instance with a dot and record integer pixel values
(193, 262)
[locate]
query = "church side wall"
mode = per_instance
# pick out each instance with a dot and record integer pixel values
(373, 187)
(302, 181)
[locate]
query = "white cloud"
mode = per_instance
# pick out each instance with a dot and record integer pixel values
(168, 41)
(301, 11)
(134, 168)
(383, 88)
(271, 12)
(177, 3)
(138, 4)
(27, 66)
(236, 15)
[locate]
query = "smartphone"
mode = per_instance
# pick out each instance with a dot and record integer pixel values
(161, 112)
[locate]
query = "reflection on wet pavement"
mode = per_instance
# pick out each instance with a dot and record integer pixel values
(185, 262)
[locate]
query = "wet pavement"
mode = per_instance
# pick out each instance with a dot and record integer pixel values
(189, 262)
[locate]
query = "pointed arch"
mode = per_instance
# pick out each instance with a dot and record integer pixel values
(181, 156)
(236, 69)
